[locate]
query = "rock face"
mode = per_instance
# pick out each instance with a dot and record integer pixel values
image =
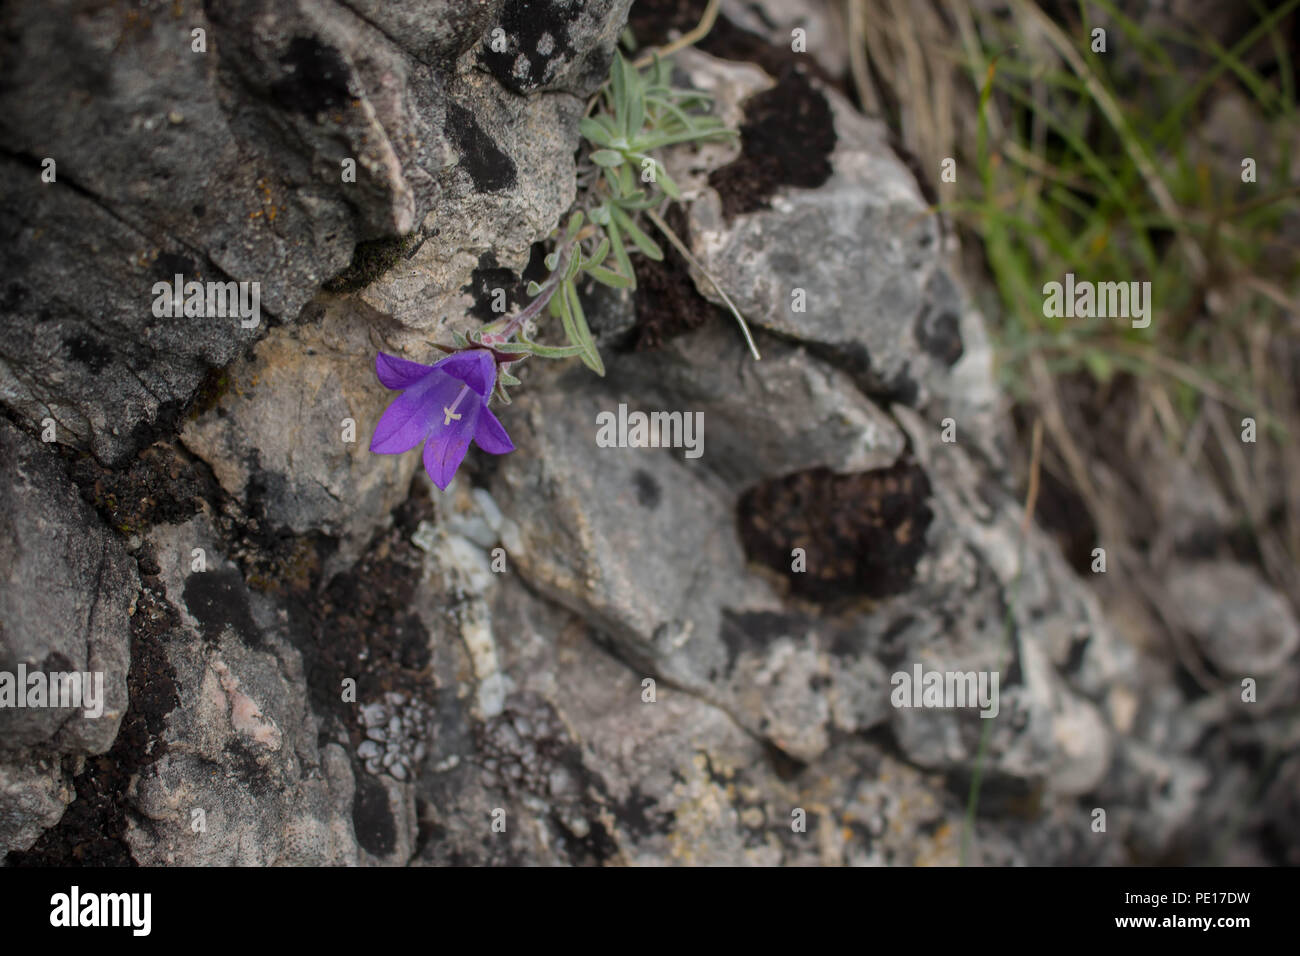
(578, 654)
(255, 141)
(68, 588)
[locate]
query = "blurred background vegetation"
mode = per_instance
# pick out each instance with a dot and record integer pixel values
(1122, 165)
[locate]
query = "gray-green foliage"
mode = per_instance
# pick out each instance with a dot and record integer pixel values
(638, 112)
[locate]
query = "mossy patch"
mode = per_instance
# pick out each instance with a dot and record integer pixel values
(862, 534)
(370, 260)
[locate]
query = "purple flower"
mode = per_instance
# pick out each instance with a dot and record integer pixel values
(443, 405)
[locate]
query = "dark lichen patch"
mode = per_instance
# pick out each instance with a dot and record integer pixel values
(169, 265)
(653, 21)
(528, 748)
(786, 140)
(938, 325)
(496, 291)
(14, 296)
(218, 599)
(537, 43)
(648, 492)
(667, 302)
(368, 633)
(638, 814)
(89, 351)
(854, 359)
(163, 427)
(892, 646)
(754, 632)
(92, 831)
(161, 484)
(593, 848)
(372, 817)
(370, 260)
(489, 168)
(939, 333)
(315, 78)
(361, 626)
(289, 565)
(862, 533)
(788, 133)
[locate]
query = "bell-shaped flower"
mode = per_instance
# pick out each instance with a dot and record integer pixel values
(444, 405)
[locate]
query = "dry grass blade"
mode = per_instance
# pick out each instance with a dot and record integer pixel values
(1110, 109)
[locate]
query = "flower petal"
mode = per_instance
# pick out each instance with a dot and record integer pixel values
(475, 367)
(444, 452)
(397, 373)
(490, 435)
(413, 414)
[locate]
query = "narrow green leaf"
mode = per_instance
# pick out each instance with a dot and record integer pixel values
(626, 181)
(575, 223)
(610, 278)
(528, 347)
(671, 108)
(505, 378)
(597, 257)
(667, 182)
(639, 200)
(656, 140)
(591, 355)
(565, 313)
(607, 157)
(555, 351)
(618, 87)
(612, 178)
(594, 131)
(575, 263)
(552, 260)
(620, 252)
(658, 72)
(533, 288)
(1099, 365)
(635, 104)
(648, 246)
(458, 339)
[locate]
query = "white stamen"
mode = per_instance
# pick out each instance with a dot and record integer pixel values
(449, 412)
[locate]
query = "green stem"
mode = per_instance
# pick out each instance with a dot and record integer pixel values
(686, 254)
(534, 308)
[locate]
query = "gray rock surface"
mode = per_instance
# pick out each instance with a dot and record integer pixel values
(576, 655)
(67, 591)
(291, 434)
(277, 796)
(227, 164)
(880, 301)
(1241, 624)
